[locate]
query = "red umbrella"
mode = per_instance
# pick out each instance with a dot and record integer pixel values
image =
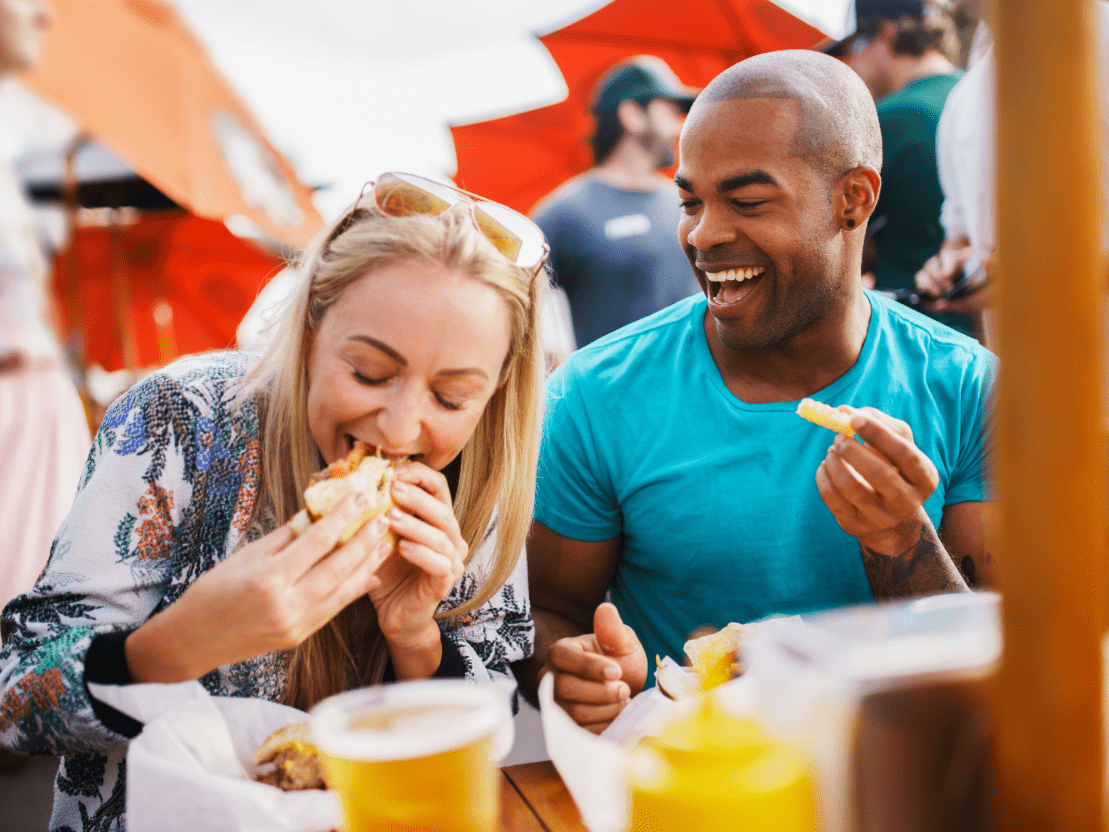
(162, 286)
(519, 159)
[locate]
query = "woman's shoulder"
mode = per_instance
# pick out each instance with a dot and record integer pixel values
(206, 388)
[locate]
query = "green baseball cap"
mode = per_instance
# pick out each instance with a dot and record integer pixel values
(640, 78)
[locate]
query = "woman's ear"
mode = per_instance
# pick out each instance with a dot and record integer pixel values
(856, 195)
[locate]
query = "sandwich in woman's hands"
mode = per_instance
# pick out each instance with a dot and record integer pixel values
(361, 471)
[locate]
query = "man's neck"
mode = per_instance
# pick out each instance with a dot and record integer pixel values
(629, 167)
(906, 69)
(799, 366)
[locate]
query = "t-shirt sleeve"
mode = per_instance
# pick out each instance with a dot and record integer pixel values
(574, 496)
(973, 479)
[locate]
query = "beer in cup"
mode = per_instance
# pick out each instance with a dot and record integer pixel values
(416, 755)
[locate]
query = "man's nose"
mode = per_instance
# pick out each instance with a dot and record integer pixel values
(712, 227)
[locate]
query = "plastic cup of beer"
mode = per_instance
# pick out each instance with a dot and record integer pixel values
(416, 755)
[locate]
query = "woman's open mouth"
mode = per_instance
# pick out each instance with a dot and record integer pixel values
(733, 285)
(377, 450)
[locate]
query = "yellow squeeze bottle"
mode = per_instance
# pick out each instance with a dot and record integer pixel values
(712, 771)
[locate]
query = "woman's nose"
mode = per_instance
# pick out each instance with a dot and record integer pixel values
(399, 420)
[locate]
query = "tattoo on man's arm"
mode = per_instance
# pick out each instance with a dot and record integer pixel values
(924, 568)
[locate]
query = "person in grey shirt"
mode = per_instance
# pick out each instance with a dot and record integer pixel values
(611, 230)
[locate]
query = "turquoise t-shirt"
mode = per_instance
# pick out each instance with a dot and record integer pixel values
(716, 499)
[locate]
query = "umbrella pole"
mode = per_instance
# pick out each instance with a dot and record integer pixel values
(1051, 450)
(74, 301)
(121, 294)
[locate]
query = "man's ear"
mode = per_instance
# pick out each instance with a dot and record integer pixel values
(856, 195)
(632, 116)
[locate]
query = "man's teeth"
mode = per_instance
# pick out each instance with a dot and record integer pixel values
(738, 275)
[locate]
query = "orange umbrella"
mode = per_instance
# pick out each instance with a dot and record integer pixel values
(163, 286)
(138, 80)
(520, 159)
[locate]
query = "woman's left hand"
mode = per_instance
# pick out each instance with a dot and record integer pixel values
(429, 559)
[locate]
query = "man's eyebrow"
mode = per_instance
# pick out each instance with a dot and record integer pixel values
(755, 177)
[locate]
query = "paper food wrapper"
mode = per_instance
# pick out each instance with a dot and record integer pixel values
(191, 766)
(805, 679)
(594, 767)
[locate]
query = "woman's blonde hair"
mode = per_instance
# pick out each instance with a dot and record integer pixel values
(497, 465)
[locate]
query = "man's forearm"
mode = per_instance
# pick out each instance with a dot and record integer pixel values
(549, 628)
(908, 568)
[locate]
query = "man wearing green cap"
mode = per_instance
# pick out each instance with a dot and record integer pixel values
(611, 230)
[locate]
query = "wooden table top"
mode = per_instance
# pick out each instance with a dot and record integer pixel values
(534, 799)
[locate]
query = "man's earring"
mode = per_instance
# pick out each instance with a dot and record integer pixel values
(850, 223)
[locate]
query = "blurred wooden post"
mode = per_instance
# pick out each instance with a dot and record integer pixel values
(1051, 443)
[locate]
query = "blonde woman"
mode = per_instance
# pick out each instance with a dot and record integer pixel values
(414, 331)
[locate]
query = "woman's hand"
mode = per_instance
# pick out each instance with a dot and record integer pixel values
(414, 580)
(270, 595)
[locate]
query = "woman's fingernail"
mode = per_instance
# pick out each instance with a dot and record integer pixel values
(380, 525)
(612, 672)
(361, 500)
(624, 693)
(395, 514)
(401, 487)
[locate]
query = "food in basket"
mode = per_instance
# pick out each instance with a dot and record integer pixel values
(288, 760)
(716, 658)
(371, 474)
(833, 418)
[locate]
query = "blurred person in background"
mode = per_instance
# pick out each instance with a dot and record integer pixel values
(903, 50)
(965, 153)
(611, 230)
(44, 433)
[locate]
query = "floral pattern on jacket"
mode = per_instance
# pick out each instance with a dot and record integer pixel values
(167, 493)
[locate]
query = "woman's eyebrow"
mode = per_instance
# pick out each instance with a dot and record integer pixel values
(385, 348)
(465, 371)
(396, 356)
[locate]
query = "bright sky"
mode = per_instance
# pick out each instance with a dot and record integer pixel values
(349, 88)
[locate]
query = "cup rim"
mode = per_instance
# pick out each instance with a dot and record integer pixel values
(328, 718)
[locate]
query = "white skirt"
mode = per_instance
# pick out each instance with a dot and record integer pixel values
(44, 440)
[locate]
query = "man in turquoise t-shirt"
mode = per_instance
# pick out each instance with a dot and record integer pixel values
(674, 472)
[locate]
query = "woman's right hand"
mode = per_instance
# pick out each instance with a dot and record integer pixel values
(270, 595)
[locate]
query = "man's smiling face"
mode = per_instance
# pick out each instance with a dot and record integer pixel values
(757, 221)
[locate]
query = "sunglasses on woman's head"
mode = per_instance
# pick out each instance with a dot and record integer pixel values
(510, 232)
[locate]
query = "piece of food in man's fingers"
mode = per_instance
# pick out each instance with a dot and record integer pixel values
(288, 760)
(359, 471)
(833, 418)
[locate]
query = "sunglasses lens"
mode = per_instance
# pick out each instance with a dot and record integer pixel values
(513, 234)
(404, 196)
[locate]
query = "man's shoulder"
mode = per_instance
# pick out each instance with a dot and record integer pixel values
(906, 329)
(571, 194)
(632, 352)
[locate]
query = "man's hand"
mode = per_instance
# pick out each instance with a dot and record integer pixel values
(876, 492)
(595, 675)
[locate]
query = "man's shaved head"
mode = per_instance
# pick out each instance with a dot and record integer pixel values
(838, 128)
